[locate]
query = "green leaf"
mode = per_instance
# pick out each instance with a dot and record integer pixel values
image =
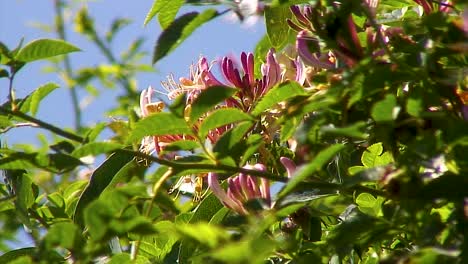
(155, 8)
(181, 145)
(31, 104)
(95, 148)
(64, 234)
(44, 48)
(10, 256)
(204, 233)
(4, 73)
(159, 124)
(277, 94)
(169, 11)
(385, 110)
(179, 30)
(322, 158)
(100, 179)
(368, 204)
(355, 130)
(276, 25)
(373, 156)
(230, 142)
(414, 105)
(208, 99)
(221, 117)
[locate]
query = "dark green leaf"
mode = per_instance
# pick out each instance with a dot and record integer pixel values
(159, 124)
(4, 73)
(230, 141)
(280, 93)
(208, 99)
(10, 256)
(221, 117)
(44, 48)
(322, 158)
(179, 30)
(100, 179)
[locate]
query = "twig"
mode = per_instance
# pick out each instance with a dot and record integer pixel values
(18, 125)
(43, 124)
(59, 24)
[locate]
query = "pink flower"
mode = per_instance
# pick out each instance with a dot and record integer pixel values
(243, 187)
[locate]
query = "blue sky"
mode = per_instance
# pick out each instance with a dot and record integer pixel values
(215, 39)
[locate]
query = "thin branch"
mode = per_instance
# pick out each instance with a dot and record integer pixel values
(29, 124)
(43, 124)
(59, 26)
(177, 165)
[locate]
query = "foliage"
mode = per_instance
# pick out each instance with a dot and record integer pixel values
(343, 139)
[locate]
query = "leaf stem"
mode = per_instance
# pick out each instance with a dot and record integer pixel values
(156, 187)
(43, 124)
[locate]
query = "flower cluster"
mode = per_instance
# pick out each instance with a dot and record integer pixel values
(244, 188)
(241, 75)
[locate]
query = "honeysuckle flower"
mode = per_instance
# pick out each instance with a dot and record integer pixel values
(316, 59)
(243, 187)
(151, 144)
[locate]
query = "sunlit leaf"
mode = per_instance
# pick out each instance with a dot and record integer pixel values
(159, 124)
(276, 25)
(208, 99)
(44, 48)
(221, 117)
(168, 12)
(31, 104)
(278, 94)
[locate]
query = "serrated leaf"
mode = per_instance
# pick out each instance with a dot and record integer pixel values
(322, 158)
(276, 25)
(221, 117)
(277, 94)
(179, 30)
(95, 148)
(208, 99)
(100, 179)
(31, 103)
(385, 110)
(159, 124)
(169, 11)
(44, 48)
